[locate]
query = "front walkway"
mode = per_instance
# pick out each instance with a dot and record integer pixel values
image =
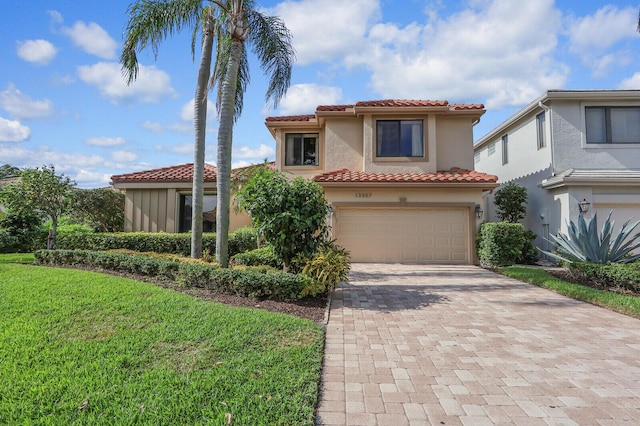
(450, 345)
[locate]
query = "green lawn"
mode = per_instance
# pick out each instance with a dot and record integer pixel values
(84, 348)
(628, 305)
(17, 258)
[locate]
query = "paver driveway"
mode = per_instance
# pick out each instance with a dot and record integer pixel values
(414, 344)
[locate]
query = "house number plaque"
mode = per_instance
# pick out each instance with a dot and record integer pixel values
(363, 195)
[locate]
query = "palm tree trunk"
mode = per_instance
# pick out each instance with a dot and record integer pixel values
(200, 126)
(225, 136)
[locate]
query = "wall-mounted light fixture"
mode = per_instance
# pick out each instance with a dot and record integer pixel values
(478, 211)
(584, 206)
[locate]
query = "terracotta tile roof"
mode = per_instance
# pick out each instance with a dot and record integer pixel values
(305, 117)
(455, 175)
(179, 173)
(459, 107)
(401, 103)
(333, 107)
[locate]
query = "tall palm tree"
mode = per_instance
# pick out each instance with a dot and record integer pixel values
(241, 24)
(150, 22)
(236, 24)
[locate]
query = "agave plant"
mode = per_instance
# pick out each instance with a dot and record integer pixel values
(583, 244)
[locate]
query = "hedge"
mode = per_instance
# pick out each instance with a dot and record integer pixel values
(255, 282)
(618, 275)
(242, 240)
(500, 243)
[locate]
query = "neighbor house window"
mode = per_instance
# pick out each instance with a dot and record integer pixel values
(399, 138)
(612, 124)
(540, 119)
(208, 213)
(476, 157)
(301, 149)
(492, 148)
(505, 149)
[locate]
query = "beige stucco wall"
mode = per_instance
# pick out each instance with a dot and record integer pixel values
(454, 142)
(343, 144)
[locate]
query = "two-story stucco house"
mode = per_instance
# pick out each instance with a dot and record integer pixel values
(397, 173)
(569, 147)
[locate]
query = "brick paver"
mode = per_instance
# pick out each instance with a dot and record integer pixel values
(438, 344)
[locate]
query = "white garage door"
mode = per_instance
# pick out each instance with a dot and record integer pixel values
(436, 235)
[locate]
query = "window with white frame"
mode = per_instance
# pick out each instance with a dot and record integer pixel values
(606, 124)
(505, 149)
(301, 149)
(540, 120)
(476, 157)
(399, 138)
(492, 148)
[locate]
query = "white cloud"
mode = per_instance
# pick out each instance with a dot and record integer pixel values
(332, 28)
(631, 83)
(39, 52)
(153, 126)
(500, 51)
(304, 98)
(262, 152)
(22, 107)
(149, 87)
(55, 16)
(104, 141)
(591, 37)
(13, 131)
(186, 113)
(123, 156)
(241, 163)
(92, 38)
(90, 179)
(181, 148)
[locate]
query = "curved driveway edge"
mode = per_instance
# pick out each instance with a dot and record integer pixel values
(451, 345)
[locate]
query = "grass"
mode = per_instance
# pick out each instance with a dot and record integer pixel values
(24, 258)
(624, 304)
(84, 348)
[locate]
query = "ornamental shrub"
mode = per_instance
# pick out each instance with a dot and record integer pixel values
(500, 243)
(617, 275)
(327, 267)
(511, 202)
(262, 256)
(21, 232)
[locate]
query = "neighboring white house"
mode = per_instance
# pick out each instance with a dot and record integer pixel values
(567, 147)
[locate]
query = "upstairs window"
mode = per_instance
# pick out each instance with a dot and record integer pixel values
(540, 120)
(612, 124)
(301, 149)
(505, 149)
(492, 148)
(399, 138)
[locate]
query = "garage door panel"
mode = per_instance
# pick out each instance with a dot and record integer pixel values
(404, 234)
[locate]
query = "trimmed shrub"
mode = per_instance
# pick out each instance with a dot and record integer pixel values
(160, 242)
(618, 275)
(21, 232)
(263, 282)
(500, 243)
(262, 256)
(530, 253)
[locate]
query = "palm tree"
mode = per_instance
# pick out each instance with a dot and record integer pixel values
(150, 22)
(236, 24)
(240, 24)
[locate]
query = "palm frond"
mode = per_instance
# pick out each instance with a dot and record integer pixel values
(151, 22)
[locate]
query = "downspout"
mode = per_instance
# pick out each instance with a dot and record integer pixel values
(551, 145)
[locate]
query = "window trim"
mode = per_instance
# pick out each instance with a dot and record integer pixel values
(541, 131)
(505, 149)
(607, 107)
(303, 133)
(374, 142)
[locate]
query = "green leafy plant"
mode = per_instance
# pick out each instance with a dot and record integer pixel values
(583, 244)
(291, 214)
(500, 243)
(511, 202)
(327, 267)
(262, 256)
(613, 275)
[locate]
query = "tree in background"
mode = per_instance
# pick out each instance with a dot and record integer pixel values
(102, 209)
(511, 202)
(290, 214)
(40, 191)
(9, 171)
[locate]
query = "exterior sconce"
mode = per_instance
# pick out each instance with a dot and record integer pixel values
(584, 206)
(478, 211)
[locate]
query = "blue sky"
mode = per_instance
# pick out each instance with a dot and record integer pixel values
(64, 102)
